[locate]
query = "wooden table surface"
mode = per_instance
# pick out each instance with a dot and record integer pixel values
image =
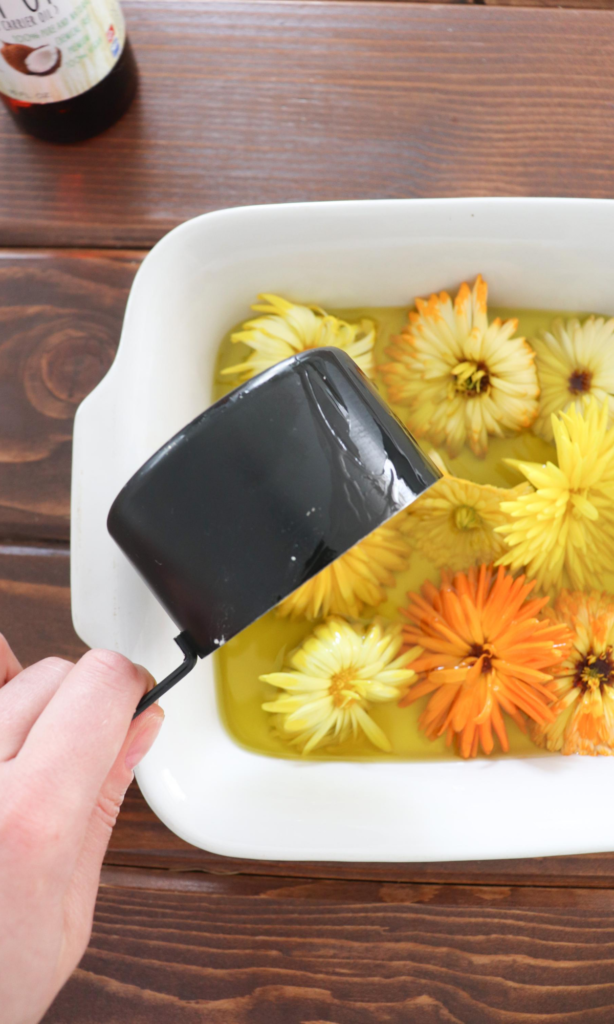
(256, 102)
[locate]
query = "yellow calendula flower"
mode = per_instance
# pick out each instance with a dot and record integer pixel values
(462, 377)
(562, 533)
(584, 684)
(287, 328)
(334, 677)
(358, 578)
(453, 523)
(573, 360)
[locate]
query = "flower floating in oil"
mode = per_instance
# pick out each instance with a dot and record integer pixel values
(453, 523)
(584, 722)
(463, 378)
(486, 652)
(574, 361)
(334, 677)
(562, 533)
(357, 579)
(287, 328)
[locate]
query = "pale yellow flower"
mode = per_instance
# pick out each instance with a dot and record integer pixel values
(334, 677)
(562, 533)
(453, 523)
(357, 578)
(573, 360)
(584, 683)
(288, 328)
(462, 378)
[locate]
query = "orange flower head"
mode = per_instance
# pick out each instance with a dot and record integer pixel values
(584, 683)
(487, 650)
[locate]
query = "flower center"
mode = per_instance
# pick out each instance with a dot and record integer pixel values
(471, 379)
(595, 670)
(466, 518)
(485, 651)
(580, 382)
(341, 690)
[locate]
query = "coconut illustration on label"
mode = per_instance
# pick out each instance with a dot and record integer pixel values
(28, 60)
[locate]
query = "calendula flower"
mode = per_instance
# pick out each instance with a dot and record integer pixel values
(486, 651)
(584, 683)
(288, 328)
(462, 377)
(574, 361)
(332, 680)
(453, 522)
(355, 579)
(562, 533)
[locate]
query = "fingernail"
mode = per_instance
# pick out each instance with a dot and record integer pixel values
(145, 736)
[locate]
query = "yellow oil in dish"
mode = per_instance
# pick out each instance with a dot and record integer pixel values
(263, 647)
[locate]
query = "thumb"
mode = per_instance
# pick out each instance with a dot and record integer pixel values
(83, 887)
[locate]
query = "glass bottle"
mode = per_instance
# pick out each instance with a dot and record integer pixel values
(67, 71)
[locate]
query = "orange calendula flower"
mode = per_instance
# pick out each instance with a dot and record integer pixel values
(584, 684)
(486, 651)
(464, 378)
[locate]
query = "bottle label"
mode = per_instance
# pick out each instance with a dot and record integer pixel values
(51, 50)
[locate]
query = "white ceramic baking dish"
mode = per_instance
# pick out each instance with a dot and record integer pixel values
(194, 285)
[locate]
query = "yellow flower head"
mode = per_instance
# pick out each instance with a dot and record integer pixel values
(584, 722)
(574, 360)
(334, 677)
(462, 378)
(453, 522)
(562, 533)
(288, 328)
(357, 578)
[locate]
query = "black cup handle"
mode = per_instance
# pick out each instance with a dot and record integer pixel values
(190, 657)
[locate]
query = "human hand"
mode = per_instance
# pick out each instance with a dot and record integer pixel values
(67, 751)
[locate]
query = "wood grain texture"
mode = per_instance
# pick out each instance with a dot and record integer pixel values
(235, 952)
(60, 320)
(273, 102)
(347, 890)
(35, 603)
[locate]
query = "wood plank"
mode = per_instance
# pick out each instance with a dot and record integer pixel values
(361, 891)
(35, 603)
(237, 953)
(273, 102)
(60, 320)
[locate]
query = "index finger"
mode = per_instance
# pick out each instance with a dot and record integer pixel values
(9, 666)
(71, 748)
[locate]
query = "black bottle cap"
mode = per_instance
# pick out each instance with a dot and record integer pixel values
(263, 490)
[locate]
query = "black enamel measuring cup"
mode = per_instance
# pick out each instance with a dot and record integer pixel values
(262, 491)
